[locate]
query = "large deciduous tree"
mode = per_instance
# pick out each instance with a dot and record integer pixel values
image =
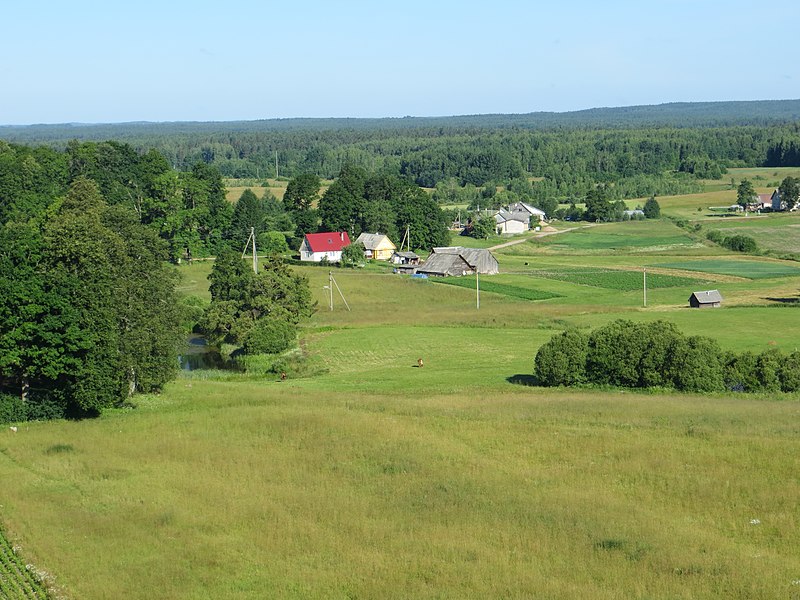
(745, 193)
(245, 304)
(96, 312)
(790, 191)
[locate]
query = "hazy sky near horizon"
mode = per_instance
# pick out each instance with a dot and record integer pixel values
(174, 60)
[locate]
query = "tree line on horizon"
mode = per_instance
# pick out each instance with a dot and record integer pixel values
(643, 151)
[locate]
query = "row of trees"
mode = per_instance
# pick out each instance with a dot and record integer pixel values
(362, 202)
(88, 309)
(656, 354)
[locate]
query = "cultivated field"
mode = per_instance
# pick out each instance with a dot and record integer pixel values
(365, 476)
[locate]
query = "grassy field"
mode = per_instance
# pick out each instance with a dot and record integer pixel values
(235, 187)
(369, 477)
(750, 269)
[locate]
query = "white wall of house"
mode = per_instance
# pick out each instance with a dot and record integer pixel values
(512, 227)
(308, 256)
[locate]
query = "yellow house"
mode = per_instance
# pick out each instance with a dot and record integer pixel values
(377, 246)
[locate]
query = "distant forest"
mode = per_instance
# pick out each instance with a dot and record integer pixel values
(638, 151)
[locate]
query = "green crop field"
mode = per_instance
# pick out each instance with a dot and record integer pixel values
(615, 279)
(364, 475)
(17, 581)
(499, 288)
(751, 269)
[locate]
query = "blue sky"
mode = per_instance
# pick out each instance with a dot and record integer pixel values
(174, 60)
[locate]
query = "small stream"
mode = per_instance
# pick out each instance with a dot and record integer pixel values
(199, 355)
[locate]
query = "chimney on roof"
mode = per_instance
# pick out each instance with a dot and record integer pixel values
(341, 235)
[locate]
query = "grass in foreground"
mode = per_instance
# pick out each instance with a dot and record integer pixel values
(238, 490)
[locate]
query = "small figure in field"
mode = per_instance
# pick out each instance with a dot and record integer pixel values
(420, 364)
(283, 375)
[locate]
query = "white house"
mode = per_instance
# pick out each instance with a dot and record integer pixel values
(317, 246)
(535, 213)
(511, 222)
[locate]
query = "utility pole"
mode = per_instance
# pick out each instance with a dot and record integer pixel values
(330, 288)
(644, 284)
(477, 290)
(252, 239)
(331, 283)
(276, 164)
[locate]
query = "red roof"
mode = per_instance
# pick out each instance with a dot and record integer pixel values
(327, 242)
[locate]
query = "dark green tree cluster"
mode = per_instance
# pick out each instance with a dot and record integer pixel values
(737, 243)
(88, 310)
(790, 191)
(300, 198)
(745, 193)
(187, 209)
(265, 217)
(358, 202)
(652, 210)
(258, 312)
(481, 227)
(656, 354)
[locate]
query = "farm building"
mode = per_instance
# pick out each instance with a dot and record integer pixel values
(455, 261)
(636, 213)
(405, 258)
(377, 246)
(317, 246)
(707, 299)
(535, 214)
(508, 222)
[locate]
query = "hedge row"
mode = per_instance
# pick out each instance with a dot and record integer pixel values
(656, 354)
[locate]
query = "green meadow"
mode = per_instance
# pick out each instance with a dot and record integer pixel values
(364, 475)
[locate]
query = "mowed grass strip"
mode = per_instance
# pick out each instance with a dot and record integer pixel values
(494, 287)
(612, 279)
(749, 269)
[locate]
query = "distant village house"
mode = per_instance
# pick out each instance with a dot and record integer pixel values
(511, 223)
(318, 246)
(377, 246)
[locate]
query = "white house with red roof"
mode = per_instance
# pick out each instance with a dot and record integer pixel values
(317, 246)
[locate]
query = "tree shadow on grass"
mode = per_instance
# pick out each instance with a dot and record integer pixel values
(794, 300)
(522, 379)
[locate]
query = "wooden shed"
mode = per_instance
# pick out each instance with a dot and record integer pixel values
(706, 299)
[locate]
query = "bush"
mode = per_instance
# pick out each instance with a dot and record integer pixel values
(12, 408)
(768, 364)
(615, 351)
(269, 336)
(353, 255)
(740, 243)
(789, 373)
(272, 242)
(562, 360)
(660, 339)
(696, 365)
(741, 372)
